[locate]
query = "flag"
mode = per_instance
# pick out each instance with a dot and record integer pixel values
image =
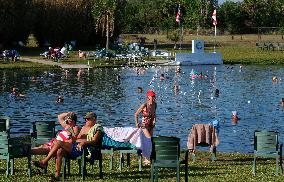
(214, 17)
(178, 16)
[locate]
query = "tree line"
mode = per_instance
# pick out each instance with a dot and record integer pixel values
(93, 21)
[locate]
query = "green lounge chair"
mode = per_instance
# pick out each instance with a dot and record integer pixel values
(90, 154)
(166, 154)
(42, 132)
(266, 144)
(4, 123)
(11, 150)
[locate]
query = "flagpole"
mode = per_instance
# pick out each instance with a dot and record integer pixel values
(180, 34)
(215, 39)
(214, 17)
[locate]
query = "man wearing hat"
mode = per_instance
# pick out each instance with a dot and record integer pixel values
(90, 134)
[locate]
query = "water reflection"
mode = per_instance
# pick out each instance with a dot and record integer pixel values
(182, 101)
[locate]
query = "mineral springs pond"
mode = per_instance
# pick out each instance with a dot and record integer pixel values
(112, 94)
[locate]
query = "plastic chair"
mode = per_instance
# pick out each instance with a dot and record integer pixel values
(4, 123)
(9, 151)
(128, 152)
(166, 154)
(42, 132)
(124, 148)
(266, 144)
(95, 154)
(109, 151)
(203, 135)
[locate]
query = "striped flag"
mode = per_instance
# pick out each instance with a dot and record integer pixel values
(214, 17)
(178, 16)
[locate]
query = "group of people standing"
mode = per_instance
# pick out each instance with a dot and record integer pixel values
(71, 140)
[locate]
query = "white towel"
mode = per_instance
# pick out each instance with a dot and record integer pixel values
(133, 135)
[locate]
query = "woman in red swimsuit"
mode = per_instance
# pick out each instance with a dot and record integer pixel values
(148, 111)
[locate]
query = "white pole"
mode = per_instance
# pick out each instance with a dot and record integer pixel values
(215, 39)
(180, 34)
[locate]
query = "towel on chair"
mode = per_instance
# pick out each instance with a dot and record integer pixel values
(135, 136)
(202, 133)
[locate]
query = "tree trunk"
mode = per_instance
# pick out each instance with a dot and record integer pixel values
(107, 32)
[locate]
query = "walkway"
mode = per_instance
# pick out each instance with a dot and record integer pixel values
(52, 63)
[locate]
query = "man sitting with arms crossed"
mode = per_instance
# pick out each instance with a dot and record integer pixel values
(90, 134)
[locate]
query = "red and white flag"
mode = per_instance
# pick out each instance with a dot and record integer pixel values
(178, 16)
(214, 17)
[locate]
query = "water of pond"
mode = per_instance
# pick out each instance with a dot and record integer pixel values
(249, 91)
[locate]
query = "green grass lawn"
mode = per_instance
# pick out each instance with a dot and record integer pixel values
(20, 65)
(248, 54)
(240, 49)
(228, 167)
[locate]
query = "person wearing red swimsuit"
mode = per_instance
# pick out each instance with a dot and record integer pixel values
(148, 111)
(148, 122)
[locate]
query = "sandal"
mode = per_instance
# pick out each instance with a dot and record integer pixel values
(54, 178)
(39, 164)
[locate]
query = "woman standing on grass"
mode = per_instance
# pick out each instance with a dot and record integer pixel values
(148, 111)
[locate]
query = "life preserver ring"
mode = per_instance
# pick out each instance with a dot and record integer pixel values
(198, 45)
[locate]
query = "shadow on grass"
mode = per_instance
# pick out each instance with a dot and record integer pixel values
(244, 159)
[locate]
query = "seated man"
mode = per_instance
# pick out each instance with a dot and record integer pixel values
(90, 134)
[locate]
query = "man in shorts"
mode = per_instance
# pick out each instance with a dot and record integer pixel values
(90, 134)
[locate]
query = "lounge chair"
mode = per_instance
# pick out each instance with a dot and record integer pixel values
(166, 154)
(203, 135)
(4, 123)
(90, 154)
(266, 144)
(42, 132)
(10, 150)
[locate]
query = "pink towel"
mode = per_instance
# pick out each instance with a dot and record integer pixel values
(202, 133)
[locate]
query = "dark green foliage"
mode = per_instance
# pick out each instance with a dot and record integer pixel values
(59, 21)
(15, 20)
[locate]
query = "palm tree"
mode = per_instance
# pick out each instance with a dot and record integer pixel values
(104, 15)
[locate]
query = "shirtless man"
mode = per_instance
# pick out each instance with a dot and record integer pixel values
(90, 134)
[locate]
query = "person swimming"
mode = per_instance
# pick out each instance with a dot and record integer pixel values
(235, 117)
(282, 102)
(59, 99)
(139, 89)
(15, 92)
(274, 79)
(162, 77)
(216, 93)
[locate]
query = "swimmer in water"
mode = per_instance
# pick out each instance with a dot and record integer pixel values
(59, 99)
(235, 117)
(217, 92)
(139, 89)
(162, 77)
(15, 92)
(282, 102)
(274, 79)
